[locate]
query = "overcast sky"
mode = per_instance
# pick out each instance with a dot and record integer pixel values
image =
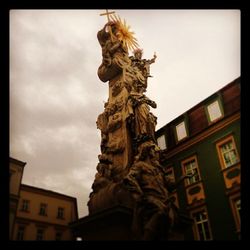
(56, 95)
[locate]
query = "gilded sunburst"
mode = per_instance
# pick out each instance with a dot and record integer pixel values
(124, 34)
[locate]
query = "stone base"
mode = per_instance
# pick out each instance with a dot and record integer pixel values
(178, 232)
(115, 224)
(110, 224)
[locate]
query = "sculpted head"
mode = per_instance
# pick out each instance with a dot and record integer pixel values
(138, 53)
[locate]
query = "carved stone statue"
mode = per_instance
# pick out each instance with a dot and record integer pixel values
(155, 213)
(114, 53)
(144, 120)
(142, 64)
(128, 171)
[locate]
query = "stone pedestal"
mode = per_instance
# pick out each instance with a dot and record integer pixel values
(115, 224)
(129, 176)
(110, 224)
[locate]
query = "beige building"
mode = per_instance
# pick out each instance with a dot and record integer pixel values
(44, 215)
(36, 213)
(16, 174)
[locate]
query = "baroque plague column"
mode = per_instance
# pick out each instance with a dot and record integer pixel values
(126, 123)
(129, 173)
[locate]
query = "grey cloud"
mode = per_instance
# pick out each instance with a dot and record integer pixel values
(66, 184)
(56, 95)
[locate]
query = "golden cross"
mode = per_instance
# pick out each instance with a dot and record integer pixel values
(107, 14)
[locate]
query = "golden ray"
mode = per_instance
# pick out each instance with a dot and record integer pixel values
(124, 34)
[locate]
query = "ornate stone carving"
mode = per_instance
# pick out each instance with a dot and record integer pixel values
(115, 122)
(130, 156)
(117, 87)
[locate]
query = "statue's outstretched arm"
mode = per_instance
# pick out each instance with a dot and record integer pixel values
(173, 185)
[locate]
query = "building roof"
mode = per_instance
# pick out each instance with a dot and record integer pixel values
(15, 161)
(196, 118)
(224, 89)
(41, 191)
(46, 192)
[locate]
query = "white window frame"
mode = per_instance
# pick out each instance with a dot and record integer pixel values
(214, 111)
(226, 140)
(202, 221)
(161, 141)
(25, 205)
(230, 153)
(194, 169)
(181, 131)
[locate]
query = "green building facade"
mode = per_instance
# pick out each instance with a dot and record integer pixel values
(205, 141)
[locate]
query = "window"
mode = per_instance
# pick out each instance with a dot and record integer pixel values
(214, 111)
(161, 141)
(20, 233)
(60, 213)
(43, 209)
(181, 131)
(203, 231)
(25, 205)
(58, 235)
(190, 167)
(227, 152)
(237, 205)
(40, 234)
